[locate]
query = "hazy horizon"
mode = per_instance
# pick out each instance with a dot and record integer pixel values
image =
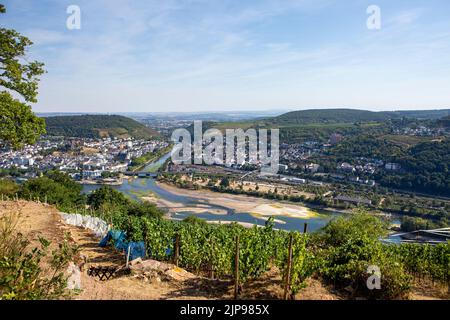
(231, 111)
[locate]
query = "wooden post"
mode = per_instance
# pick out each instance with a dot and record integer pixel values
(305, 227)
(177, 249)
(128, 255)
(287, 284)
(236, 270)
(45, 199)
(211, 267)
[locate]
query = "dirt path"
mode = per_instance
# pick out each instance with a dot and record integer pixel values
(123, 287)
(35, 220)
(40, 220)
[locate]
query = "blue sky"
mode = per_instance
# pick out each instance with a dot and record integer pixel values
(206, 55)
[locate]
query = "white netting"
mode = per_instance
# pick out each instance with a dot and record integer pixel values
(74, 277)
(96, 225)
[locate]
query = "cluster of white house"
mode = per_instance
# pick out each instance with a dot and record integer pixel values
(86, 158)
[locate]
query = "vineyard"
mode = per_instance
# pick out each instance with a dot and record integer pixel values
(340, 254)
(339, 258)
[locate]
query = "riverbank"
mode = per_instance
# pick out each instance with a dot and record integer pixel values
(149, 158)
(208, 205)
(101, 182)
(257, 207)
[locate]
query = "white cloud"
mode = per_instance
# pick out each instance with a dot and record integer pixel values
(195, 54)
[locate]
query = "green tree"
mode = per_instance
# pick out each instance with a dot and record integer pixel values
(107, 196)
(195, 220)
(18, 124)
(63, 194)
(143, 209)
(225, 182)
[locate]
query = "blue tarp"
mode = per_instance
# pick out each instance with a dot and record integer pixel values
(118, 238)
(137, 249)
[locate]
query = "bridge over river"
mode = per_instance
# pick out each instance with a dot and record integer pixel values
(141, 174)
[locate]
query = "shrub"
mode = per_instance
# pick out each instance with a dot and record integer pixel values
(58, 188)
(350, 246)
(8, 187)
(21, 274)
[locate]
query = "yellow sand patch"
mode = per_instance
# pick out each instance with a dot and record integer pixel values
(283, 210)
(265, 218)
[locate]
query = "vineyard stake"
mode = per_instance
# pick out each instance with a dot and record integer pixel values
(211, 270)
(128, 255)
(289, 266)
(177, 248)
(236, 270)
(305, 227)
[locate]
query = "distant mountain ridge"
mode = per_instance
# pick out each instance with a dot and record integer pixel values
(331, 116)
(424, 114)
(351, 115)
(98, 126)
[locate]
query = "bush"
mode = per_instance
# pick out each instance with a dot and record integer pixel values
(358, 225)
(195, 220)
(144, 209)
(58, 188)
(108, 199)
(21, 273)
(8, 188)
(106, 196)
(350, 246)
(348, 266)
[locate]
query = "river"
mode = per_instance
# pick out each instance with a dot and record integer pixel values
(135, 188)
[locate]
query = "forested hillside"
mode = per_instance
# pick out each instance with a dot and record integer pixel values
(98, 126)
(331, 116)
(427, 167)
(424, 114)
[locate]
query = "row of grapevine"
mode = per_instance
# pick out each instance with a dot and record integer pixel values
(422, 261)
(211, 249)
(206, 247)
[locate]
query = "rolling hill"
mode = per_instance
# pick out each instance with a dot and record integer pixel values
(98, 126)
(424, 114)
(319, 124)
(331, 116)
(354, 115)
(445, 122)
